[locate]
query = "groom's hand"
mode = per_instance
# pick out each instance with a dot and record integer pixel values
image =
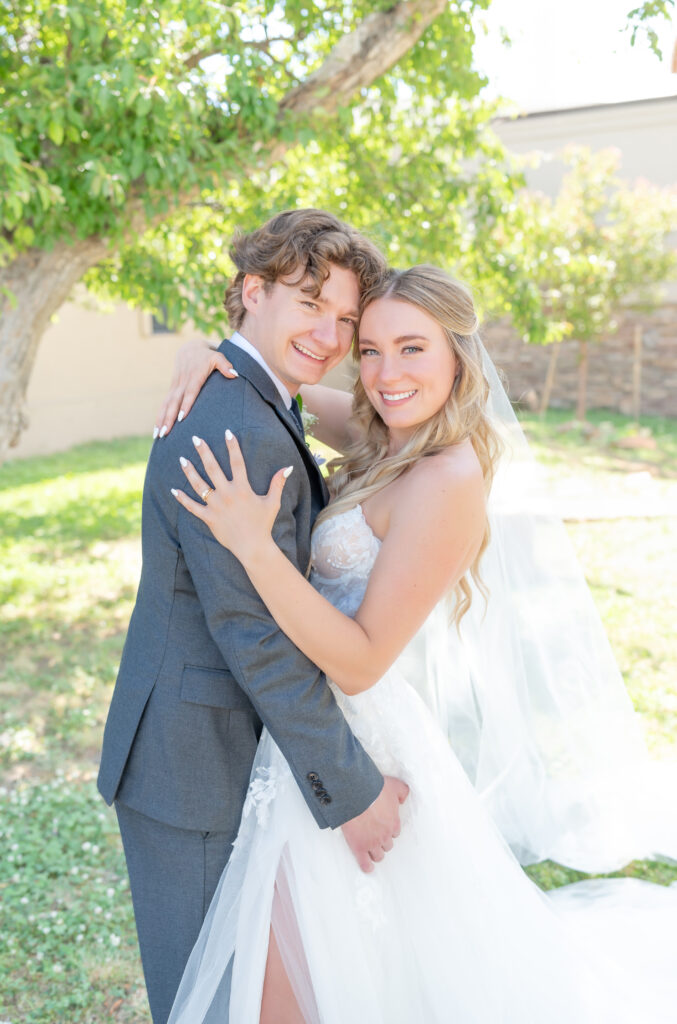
(370, 835)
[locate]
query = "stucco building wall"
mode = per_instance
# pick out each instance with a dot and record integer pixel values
(98, 375)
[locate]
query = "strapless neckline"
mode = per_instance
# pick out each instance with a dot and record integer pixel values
(366, 522)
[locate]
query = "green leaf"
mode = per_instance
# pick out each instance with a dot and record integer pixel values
(24, 236)
(55, 132)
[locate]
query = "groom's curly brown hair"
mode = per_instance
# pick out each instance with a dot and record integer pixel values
(296, 245)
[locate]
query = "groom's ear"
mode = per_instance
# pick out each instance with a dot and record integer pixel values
(253, 286)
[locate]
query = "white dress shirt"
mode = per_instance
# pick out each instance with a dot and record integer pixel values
(246, 346)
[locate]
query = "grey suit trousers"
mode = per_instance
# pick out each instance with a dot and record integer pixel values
(173, 874)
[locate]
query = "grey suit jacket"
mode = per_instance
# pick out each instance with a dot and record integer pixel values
(204, 664)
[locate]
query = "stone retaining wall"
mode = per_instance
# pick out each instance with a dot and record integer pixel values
(610, 366)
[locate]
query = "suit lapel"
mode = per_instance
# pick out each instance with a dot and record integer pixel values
(258, 378)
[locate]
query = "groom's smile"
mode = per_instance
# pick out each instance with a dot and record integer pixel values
(306, 352)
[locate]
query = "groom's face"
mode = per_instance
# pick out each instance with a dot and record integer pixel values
(301, 336)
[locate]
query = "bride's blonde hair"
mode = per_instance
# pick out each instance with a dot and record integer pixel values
(366, 467)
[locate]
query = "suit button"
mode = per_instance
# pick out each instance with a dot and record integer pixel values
(325, 799)
(313, 776)
(317, 786)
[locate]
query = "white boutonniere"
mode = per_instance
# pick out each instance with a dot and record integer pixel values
(309, 421)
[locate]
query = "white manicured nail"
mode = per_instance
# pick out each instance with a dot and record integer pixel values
(233, 372)
(229, 435)
(174, 491)
(163, 431)
(181, 415)
(156, 431)
(184, 462)
(197, 441)
(287, 472)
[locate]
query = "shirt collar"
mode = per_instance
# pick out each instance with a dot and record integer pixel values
(246, 346)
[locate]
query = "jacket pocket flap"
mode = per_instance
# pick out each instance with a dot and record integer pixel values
(214, 687)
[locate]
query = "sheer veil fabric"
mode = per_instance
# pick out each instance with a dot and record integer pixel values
(532, 699)
(518, 742)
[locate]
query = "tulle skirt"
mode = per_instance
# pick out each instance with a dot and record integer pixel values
(447, 928)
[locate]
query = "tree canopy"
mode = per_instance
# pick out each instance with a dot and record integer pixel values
(160, 127)
(136, 136)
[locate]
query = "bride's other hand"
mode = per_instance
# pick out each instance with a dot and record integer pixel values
(241, 520)
(195, 360)
(370, 835)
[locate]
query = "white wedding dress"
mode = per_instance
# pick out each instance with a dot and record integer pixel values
(447, 929)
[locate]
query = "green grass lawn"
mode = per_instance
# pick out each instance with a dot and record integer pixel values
(69, 562)
(602, 444)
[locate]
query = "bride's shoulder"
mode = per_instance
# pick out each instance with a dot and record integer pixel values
(455, 466)
(447, 481)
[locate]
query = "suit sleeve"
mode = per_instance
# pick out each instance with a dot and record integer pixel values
(337, 778)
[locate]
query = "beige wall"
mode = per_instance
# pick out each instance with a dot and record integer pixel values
(643, 131)
(97, 375)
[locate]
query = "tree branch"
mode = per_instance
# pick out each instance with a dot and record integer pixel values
(364, 55)
(263, 45)
(357, 60)
(194, 59)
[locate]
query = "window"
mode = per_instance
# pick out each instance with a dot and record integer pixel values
(159, 324)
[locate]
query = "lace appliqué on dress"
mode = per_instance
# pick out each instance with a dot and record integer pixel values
(369, 901)
(263, 789)
(344, 544)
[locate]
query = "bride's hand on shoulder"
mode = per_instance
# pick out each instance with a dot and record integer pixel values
(240, 519)
(194, 362)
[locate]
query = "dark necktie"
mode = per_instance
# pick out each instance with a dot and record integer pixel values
(296, 416)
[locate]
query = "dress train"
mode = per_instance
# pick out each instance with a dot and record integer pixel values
(447, 928)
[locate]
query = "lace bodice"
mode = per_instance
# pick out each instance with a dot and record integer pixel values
(343, 551)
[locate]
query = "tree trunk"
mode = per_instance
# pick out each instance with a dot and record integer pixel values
(549, 378)
(637, 373)
(38, 282)
(582, 402)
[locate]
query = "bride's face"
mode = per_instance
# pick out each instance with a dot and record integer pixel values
(406, 365)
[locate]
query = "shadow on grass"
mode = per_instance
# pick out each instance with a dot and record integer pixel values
(63, 634)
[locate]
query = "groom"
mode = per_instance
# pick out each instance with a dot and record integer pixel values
(204, 664)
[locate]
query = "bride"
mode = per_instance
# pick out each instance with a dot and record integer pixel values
(464, 651)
